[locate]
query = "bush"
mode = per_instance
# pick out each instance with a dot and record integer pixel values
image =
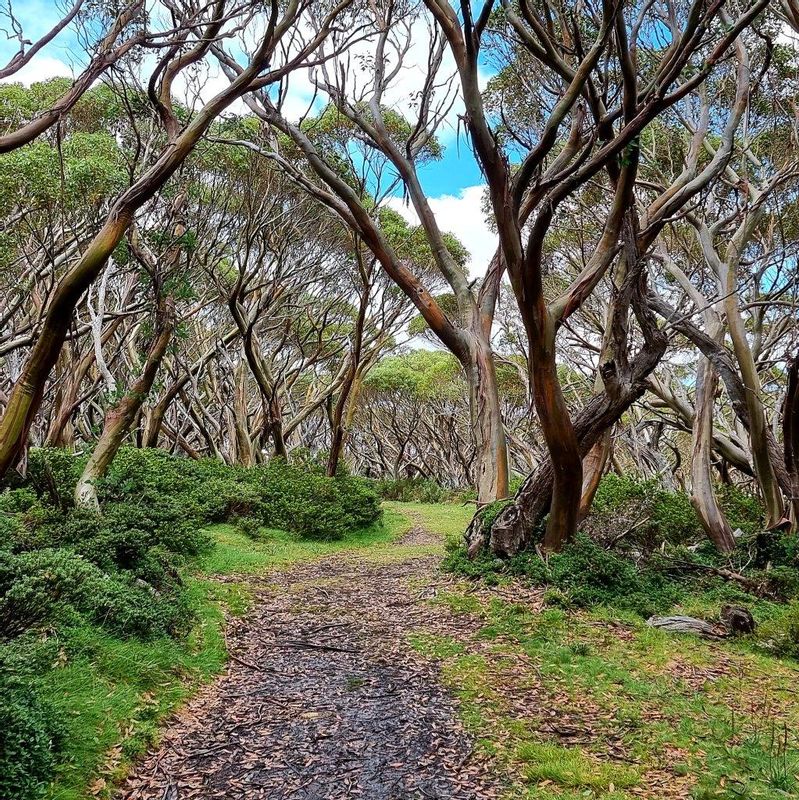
(641, 513)
(582, 575)
(29, 736)
(780, 635)
(306, 502)
(744, 511)
(412, 490)
(58, 589)
(592, 576)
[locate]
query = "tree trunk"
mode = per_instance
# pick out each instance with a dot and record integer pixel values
(26, 396)
(515, 526)
(593, 468)
(60, 432)
(338, 431)
(244, 453)
(120, 416)
(556, 425)
(758, 427)
(703, 495)
(491, 449)
(790, 432)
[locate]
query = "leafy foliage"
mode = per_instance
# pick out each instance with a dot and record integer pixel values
(68, 574)
(409, 490)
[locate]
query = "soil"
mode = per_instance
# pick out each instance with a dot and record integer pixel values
(323, 697)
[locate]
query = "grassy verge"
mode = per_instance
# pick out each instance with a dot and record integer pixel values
(112, 694)
(448, 519)
(597, 705)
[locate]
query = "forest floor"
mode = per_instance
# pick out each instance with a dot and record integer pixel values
(369, 673)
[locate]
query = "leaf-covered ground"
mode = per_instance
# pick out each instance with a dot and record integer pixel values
(324, 696)
(370, 674)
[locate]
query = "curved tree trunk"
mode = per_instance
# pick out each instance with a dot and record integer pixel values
(338, 430)
(556, 425)
(491, 449)
(272, 424)
(515, 526)
(593, 468)
(120, 416)
(703, 495)
(758, 427)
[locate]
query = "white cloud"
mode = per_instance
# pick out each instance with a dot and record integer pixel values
(40, 68)
(461, 215)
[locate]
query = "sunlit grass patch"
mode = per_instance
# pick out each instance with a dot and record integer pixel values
(448, 519)
(234, 552)
(433, 646)
(573, 768)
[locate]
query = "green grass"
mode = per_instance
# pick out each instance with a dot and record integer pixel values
(113, 694)
(235, 553)
(721, 718)
(449, 519)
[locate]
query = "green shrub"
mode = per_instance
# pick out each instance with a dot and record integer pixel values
(780, 634)
(310, 504)
(11, 531)
(412, 490)
(582, 575)
(249, 526)
(57, 589)
(490, 512)
(594, 576)
(29, 738)
(53, 474)
(640, 513)
(743, 510)
(359, 500)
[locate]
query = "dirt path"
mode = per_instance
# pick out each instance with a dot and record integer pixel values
(323, 697)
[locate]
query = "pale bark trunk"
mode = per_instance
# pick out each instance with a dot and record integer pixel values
(790, 432)
(758, 427)
(593, 468)
(491, 449)
(244, 451)
(703, 495)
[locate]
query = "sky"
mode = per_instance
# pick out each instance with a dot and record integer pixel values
(454, 184)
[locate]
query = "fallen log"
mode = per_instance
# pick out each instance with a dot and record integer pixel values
(692, 625)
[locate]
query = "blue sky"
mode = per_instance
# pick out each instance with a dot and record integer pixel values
(454, 183)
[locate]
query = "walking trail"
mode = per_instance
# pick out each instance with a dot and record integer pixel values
(323, 697)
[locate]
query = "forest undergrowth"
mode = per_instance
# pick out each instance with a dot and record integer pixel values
(114, 621)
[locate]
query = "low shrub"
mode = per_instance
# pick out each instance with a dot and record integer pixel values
(582, 575)
(412, 490)
(58, 588)
(640, 513)
(295, 497)
(308, 503)
(780, 634)
(29, 740)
